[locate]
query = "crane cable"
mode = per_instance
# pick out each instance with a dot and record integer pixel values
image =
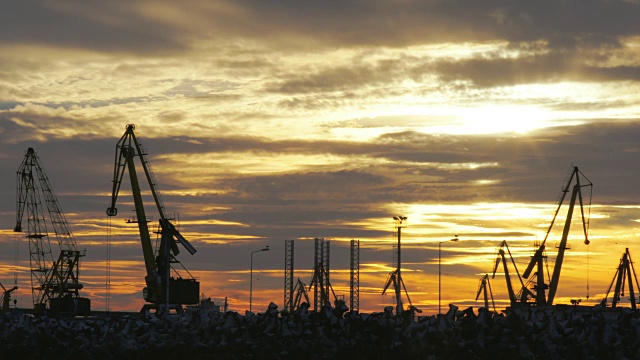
(107, 284)
(15, 259)
(15, 266)
(587, 242)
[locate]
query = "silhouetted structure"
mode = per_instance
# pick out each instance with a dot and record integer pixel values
(625, 273)
(55, 284)
(320, 281)
(354, 277)
(539, 258)
(288, 275)
(163, 291)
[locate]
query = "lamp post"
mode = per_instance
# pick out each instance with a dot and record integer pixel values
(400, 222)
(455, 239)
(266, 248)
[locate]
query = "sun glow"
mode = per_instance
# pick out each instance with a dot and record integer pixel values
(499, 119)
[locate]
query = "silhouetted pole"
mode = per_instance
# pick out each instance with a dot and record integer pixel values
(266, 248)
(440, 272)
(398, 285)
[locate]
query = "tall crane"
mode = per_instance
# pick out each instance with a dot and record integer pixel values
(484, 287)
(300, 292)
(392, 279)
(514, 299)
(626, 273)
(163, 291)
(55, 283)
(539, 258)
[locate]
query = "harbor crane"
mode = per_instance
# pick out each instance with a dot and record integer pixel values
(538, 260)
(525, 293)
(392, 279)
(300, 293)
(625, 273)
(5, 299)
(163, 291)
(55, 284)
(484, 287)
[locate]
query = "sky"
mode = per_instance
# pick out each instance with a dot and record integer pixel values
(267, 121)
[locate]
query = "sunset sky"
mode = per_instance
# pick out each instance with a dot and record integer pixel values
(274, 120)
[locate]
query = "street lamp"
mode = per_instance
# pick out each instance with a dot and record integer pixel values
(400, 222)
(455, 239)
(266, 248)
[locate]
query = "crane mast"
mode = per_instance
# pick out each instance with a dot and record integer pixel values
(162, 290)
(512, 295)
(54, 283)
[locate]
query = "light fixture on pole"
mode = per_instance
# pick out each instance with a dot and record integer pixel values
(455, 239)
(399, 223)
(266, 248)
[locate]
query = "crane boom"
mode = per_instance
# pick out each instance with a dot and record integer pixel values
(162, 289)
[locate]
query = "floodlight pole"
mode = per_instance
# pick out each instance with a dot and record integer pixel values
(266, 248)
(398, 285)
(455, 239)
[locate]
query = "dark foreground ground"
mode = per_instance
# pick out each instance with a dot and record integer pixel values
(559, 333)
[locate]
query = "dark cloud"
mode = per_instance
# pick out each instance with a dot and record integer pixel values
(84, 24)
(406, 166)
(141, 26)
(614, 73)
(550, 68)
(343, 78)
(7, 105)
(504, 72)
(310, 203)
(399, 23)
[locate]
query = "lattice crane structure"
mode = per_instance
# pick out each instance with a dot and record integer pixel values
(54, 282)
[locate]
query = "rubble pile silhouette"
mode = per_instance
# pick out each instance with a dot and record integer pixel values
(561, 333)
